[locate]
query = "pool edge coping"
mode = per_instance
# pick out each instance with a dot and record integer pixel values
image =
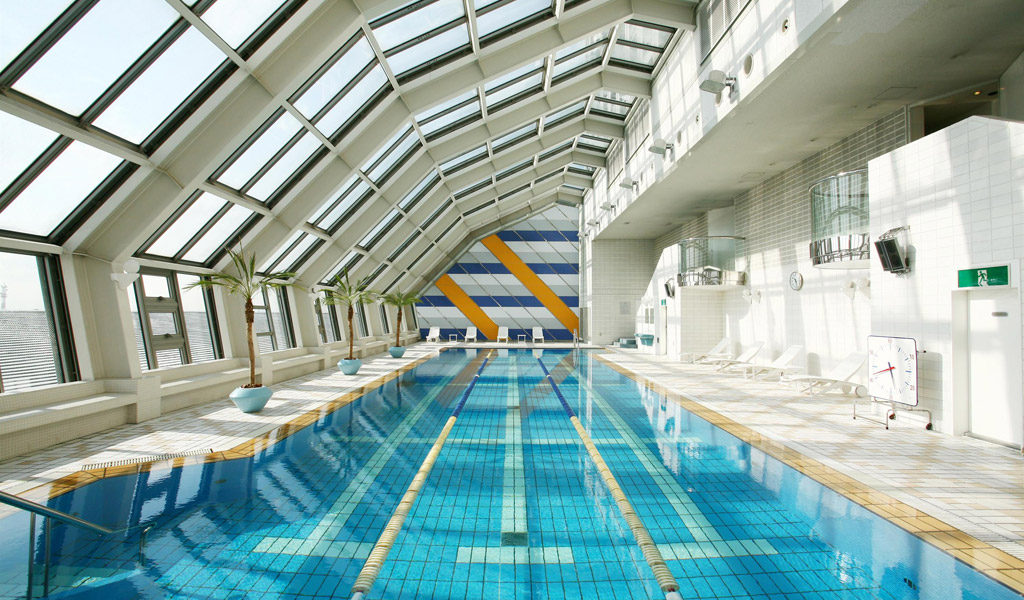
(948, 539)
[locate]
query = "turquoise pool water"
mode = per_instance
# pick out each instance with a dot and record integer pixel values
(513, 507)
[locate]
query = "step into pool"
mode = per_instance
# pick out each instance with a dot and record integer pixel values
(542, 473)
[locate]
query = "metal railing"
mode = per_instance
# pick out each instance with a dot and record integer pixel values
(50, 514)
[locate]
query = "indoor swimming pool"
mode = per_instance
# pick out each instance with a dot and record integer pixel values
(514, 506)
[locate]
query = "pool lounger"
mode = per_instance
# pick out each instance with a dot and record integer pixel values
(745, 357)
(780, 365)
(838, 376)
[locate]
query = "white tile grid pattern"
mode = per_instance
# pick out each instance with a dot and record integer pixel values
(961, 191)
(972, 485)
(218, 425)
(621, 271)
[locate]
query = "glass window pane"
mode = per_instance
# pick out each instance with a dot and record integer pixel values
(285, 167)
(162, 323)
(162, 87)
(442, 121)
(509, 14)
(503, 141)
(429, 49)
(404, 148)
(564, 113)
(235, 20)
(463, 159)
(22, 22)
(197, 319)
(635, 55)
(644, 35)
(355, 99)
(97, 50)
(602, 106)
(375, 234)
(21, 143)
(267, 264)
(168, 358)
(27, 343)
(417, 23)
(288, 262)
(534, 81)
(280, 326)
(59, 190)
(413, 196)
(352, 200)
(155, 286)
(335, 79)
(592, 56)
(260, 152)
(140, 343)
(444, 106)
(192, 220)
(220, 233)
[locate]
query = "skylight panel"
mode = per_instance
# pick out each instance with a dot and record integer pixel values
(470, 189)
(22, 22)
(347, 66)
(347, 202)
(276, 257)
(285, 167)
(455, 110)
(293, 260)
(529, 83)
(235, 20)
(550, 175)
(58, 190)
(403, 246)
(511, 193)
(506, 173)
(582, 44)
(347, 109)
(95, 52)
(406, 24)
(21, 143)
(375, 234)
(463, 160)
(565, 113)
(513, 137)
(376, 273)
(581, 168)
(564, 147)
(588, 58)
(476, 209)
(393, 157)
(222, 232)
(437, 213)
(612, 108)
(508, 15)
(162, 87)
(195, 218)
(343, 266)
(429, 49)
(636, 56)
(645, 33)
(260, 151)
(417, 193)
(594, 142)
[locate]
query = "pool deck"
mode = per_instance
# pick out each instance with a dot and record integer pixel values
(932, 484)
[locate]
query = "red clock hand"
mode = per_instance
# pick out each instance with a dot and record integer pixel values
(883, 370)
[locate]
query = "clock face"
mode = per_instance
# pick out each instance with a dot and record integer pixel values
(796, 280)
(892, 369)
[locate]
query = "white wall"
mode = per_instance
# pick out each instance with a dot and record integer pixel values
(1011, 91)
(961, 192)
(621, 272)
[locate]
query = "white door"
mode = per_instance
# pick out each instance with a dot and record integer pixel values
(996, 405)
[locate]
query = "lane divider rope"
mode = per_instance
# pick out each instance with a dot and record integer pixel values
(374, 563)
(665, 579)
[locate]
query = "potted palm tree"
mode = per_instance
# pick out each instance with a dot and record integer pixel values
(344, 293)
(251, 397)
(399, 300)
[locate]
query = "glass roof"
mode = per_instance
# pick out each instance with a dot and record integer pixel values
(138, 69)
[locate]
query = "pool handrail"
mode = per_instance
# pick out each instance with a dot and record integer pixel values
(48, 513)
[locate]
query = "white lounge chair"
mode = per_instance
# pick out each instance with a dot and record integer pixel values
(745, 357)
(434, 335)
(470, 334)
(538, 335)
(720, 350)
(780, 365)
(503, 335)
(838, 376)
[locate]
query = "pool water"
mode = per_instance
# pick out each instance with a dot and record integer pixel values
(513, 507)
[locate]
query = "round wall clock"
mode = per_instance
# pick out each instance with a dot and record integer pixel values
(892, 369)
(796, 280)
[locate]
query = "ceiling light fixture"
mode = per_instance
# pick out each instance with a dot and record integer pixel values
(660, 146)
(628, 183)
(718, 81)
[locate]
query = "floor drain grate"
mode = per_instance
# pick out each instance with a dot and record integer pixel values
(146, 459)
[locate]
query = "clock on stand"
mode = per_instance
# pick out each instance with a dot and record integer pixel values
(892, 375)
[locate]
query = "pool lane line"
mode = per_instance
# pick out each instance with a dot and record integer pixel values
(371, 568)
(652, 555)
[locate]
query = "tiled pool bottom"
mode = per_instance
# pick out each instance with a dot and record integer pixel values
(513, 508)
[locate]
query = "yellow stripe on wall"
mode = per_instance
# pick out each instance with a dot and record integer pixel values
(535, 284)
(471, 309)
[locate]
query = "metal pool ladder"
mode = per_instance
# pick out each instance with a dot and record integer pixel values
(49, 514)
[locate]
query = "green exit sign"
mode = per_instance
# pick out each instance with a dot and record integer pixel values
(984, 277)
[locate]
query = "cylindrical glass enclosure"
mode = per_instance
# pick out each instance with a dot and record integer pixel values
(709, 261)
(839, 221)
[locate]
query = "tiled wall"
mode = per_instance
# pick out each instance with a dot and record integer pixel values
(961, 192)
(549, 244)
(621, 273)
